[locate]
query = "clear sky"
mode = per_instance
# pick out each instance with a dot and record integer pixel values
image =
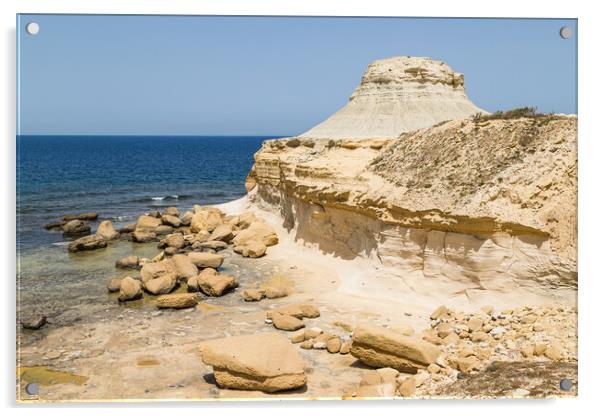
(195, 75)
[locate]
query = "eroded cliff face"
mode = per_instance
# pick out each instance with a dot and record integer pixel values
(491, 205)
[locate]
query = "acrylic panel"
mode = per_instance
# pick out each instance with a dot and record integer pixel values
(230, 207)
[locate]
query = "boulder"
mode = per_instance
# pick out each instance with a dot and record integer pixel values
(184, 267)
(333, 345)
(154, 270)
(206, 219)
(90, 242)
(286, 322)
(129, 262)
(213, 245)
(161, 285)
(173, 211)
(193, 284)
(175, 240)
(298, 310)
(252, 295)
(128, 228)
(378, 384)
(275, 292)
(84, 216)
(55, 225)
(245, 219)
(266, 361)
(252, 249)
(177, 301)
(212, 283)
(202, 260)
(75, 227)
(439, 312)
(114, 284)
(106, 230)
(379, 347)
(222, 232)
(142, 236)
(129, 289)
(171, 220)
(34, 322)
(186, 218)
(148, 223)
(257, 231)
(164, 230)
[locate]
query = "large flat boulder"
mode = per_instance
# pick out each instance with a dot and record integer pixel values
(203, 260)
(148, 223)
(380, 347)
(177, 301)
(265, 361)
(257, 231)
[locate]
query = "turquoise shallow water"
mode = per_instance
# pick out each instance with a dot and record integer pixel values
(121, 178)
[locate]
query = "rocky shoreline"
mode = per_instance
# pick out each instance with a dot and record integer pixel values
(427, 252)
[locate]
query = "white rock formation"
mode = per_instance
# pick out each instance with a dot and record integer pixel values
(397, 95)
(487, 204)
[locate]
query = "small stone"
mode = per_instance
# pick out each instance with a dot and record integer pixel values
(345, 347)
(313, 332)
(433, 368)
(333, 345)
(527, 351)
(474, 324)
(52, 355)
(307, 344)
(286, 322)
(114, 284)
(439, 312)
(252, 295)
(319, 345)
(297, 337)
(407, 388)
(34, 323)
(275, 292)
(488, 309)
(554, 351)
(479, 336)
(521, 392)
(540, 349)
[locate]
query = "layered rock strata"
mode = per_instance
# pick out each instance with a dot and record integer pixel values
(488, 204)
(397, 95)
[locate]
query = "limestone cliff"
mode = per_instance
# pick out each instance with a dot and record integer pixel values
(397, 95)
(490, 204)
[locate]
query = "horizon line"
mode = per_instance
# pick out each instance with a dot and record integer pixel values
(156, 135)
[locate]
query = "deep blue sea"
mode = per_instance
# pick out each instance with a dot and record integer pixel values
(123, 176)
(120, 177)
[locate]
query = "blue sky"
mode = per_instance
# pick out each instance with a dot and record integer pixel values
(195, 75)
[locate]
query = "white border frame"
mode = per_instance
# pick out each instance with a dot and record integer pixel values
(589, 176)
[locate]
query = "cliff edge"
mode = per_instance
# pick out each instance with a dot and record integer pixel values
(490, 203)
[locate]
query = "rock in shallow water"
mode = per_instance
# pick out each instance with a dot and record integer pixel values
(106, 230)
(75, 227)
(34, 322)
(177, 301)
(266, 362)
(90, 242)
(129, 289)
(129, 262)
(212, 283)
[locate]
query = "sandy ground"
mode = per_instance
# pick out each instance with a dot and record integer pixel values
(141, 353)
